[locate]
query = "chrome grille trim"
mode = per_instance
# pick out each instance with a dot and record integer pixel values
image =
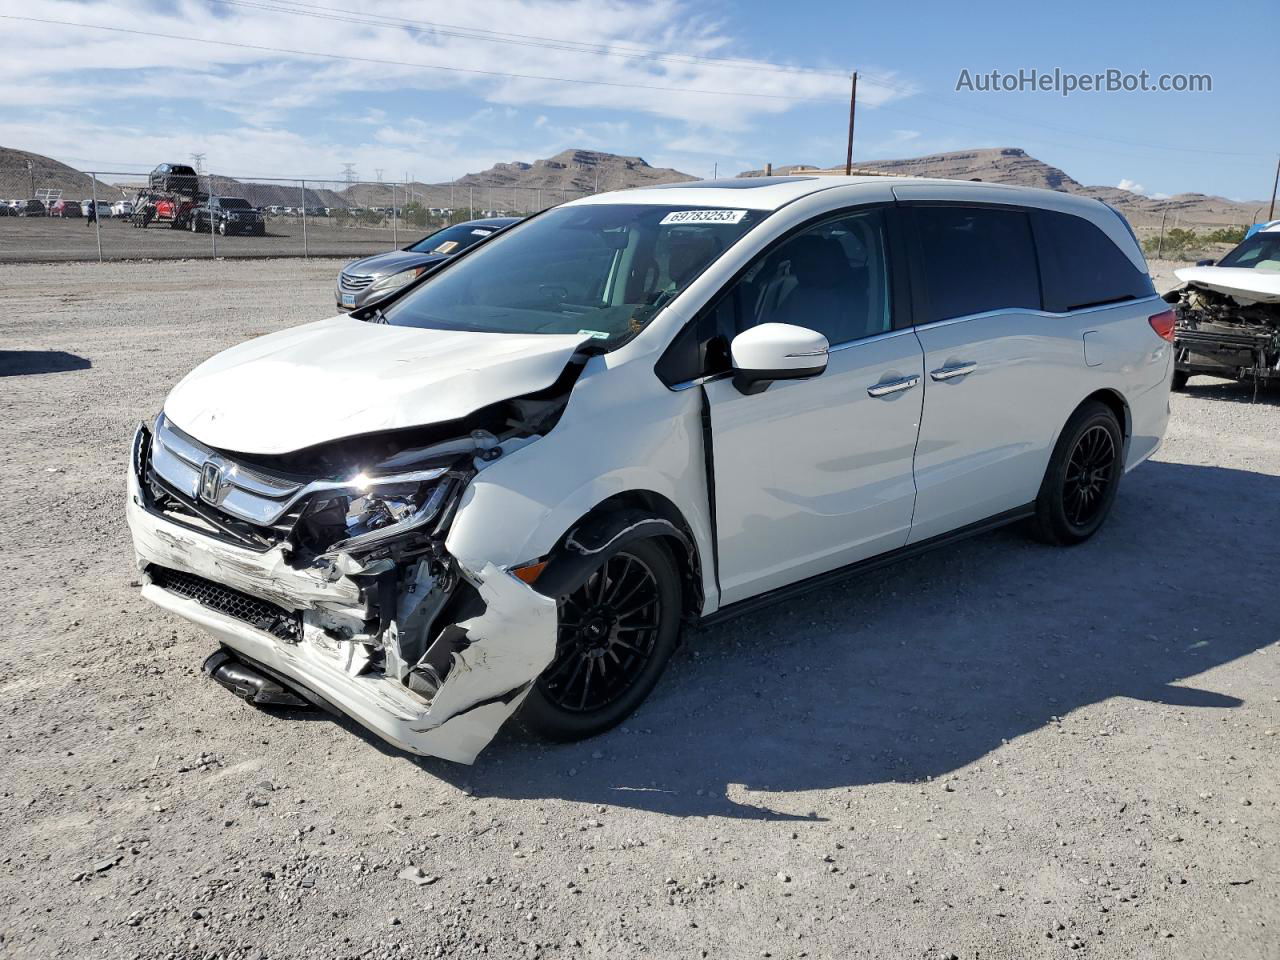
(354, 282)
(250, 495)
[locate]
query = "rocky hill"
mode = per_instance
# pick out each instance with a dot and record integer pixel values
(17, 182)
(274, 194)
(1014, 165)
(519, 186)
(576, 171)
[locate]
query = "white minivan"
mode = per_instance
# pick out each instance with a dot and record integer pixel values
(507, 485)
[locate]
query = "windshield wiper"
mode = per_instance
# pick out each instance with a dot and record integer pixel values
(377, 316)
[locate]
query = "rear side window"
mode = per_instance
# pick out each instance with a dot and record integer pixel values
(1081, 266)
(975, 259)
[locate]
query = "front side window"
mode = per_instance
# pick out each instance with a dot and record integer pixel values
(603, 270)
(832, 278)
(1259, 252)
(975, 259)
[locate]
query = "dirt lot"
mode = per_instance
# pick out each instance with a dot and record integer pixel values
(1001, 750)
(51, 239)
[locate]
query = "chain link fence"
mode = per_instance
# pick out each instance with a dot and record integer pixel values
(56, 214)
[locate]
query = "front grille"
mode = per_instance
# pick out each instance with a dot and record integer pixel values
(354, 282)
(266, 616)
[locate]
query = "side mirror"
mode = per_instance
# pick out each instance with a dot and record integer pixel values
(776, 351)
(1206, 263)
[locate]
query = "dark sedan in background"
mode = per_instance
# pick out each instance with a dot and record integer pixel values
(371, 278)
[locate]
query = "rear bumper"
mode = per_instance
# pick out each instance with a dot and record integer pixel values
(507, 646)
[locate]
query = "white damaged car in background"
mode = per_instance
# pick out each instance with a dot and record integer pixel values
(506, 486)
(1229, 313)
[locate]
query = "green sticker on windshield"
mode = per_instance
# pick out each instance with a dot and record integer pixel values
(594, 334)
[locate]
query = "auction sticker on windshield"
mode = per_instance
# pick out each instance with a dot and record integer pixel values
(703, 216)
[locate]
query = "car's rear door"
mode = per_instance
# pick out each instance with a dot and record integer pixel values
(811, 475)
(992, 365)
(999, 371)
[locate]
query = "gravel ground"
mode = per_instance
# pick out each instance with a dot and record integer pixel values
(1000, 750)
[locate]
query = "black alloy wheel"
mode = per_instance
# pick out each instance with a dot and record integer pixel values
(616, 632)
(1083, 477)
(1090, 472)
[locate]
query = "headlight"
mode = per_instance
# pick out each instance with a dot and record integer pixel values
(370, 510)
(398, 279)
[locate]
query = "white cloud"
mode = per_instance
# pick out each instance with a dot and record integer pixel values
(69, 91)
(1131, 185)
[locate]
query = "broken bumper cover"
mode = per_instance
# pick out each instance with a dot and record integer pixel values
(507, 645)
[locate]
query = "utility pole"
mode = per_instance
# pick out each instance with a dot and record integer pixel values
(31, 172)
(1271, 213)
(715, 171)
(853, 106)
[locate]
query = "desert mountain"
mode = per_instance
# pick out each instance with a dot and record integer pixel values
(521, 187)
(576, 171)
(1013, 165)
(18, 182)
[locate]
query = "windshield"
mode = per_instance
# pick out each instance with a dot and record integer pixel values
(1259, 252)
(454, 239)
(234, 203)
(603, 270)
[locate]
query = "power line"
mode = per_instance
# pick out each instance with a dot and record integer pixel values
(379, 61)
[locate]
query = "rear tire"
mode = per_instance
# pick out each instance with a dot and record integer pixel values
(1083, 477)
(1180, 378)
(617, 632)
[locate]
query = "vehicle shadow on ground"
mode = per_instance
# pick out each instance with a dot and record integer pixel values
(919, 669)
(1232, 391)
(19, 363)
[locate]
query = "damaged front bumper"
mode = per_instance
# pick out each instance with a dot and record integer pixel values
(433, 657)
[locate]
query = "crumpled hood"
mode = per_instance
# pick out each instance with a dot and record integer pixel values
(1246, 283)
(343, 377)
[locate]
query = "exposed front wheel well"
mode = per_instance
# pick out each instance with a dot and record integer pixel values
(622, 515)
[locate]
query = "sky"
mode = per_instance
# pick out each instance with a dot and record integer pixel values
(433, 91)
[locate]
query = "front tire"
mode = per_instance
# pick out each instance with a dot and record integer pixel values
(1083, 477)
(617, 631)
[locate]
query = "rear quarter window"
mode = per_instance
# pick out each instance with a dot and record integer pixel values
(973, 260)
(1081, 266)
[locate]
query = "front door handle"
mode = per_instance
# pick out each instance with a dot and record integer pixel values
(953, 370)
(893, 386)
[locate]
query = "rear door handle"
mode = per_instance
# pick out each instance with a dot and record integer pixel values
(893, 386)
(953, 370)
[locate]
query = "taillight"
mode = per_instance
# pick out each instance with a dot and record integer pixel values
(1163, 324)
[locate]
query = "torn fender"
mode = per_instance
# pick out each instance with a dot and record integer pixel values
(507, 646)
